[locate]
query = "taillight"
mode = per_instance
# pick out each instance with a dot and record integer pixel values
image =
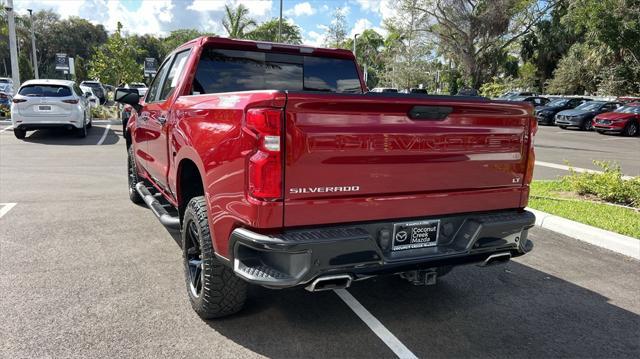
(265, 163)
(531, 156)
(3, 95)
(73, 102)
(18, 100)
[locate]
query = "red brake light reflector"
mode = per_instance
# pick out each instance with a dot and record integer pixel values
(265, 163)
(18, 100)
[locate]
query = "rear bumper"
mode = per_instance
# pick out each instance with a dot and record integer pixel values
(299, 256)
(72, 120)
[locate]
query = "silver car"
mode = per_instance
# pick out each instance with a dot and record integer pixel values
(50, 103)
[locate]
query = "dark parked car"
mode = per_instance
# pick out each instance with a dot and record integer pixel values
(536, 101)
(582, 116)
(98, 90)
(546, 114)
(625, 120)
(6, 94)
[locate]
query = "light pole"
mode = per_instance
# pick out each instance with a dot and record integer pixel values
(355, 38)
(13, 50)
(33, 45)
(280, 24)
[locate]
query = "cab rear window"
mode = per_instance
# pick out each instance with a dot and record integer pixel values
(221, 70)
(45, 91)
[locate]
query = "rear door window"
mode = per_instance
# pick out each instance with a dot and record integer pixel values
(45, 91)
(174, 75)
(221, 70)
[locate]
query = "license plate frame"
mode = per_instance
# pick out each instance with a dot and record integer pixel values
(417, 234)
(44, 107)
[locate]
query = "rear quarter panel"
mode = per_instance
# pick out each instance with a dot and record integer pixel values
(208, 131)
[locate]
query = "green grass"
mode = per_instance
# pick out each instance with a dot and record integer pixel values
(566, 203)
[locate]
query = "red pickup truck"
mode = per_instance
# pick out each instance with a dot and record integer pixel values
(280, 169)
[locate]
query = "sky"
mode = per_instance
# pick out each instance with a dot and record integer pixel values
(159, 17)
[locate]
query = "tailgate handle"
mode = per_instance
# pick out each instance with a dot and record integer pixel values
(433, 113)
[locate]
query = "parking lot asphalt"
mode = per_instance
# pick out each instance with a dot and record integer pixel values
(85, 273)
(577, 148)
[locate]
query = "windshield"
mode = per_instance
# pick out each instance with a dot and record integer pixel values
(45, 91)
(222, 70)
(628, 109)
(557, 103)
(589, 106)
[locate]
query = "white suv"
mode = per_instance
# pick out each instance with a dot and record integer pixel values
(50, 103)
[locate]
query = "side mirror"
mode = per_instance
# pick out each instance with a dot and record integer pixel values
(128, 97)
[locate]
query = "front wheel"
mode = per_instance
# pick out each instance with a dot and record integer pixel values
(631, 129)
(132, 174)
(214, 290)
(563, 127)
(587, 125)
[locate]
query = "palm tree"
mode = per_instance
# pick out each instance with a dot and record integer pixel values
(237, 21)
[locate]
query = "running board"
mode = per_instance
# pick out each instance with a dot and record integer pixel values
(156, 207)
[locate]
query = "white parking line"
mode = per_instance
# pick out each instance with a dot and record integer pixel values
(6, 207)
(6, 128)
(104, 135)
(374, 324)
(576, 169)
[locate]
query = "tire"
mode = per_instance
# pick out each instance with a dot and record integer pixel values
(213, 289)
(90, 124)
(20, 134)
(82, 131)
(602, 132)
(563, 127)
(631, 129)
(132, 177)
(587, 125)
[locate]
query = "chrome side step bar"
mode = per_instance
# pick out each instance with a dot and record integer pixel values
(156, 207)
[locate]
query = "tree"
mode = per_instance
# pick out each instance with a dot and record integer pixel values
(369, 46)
(268, 31)
(115, 61)
(177, 38)
(336, 32)
(408, 53)
(549, 42)
(474, 33)
(237, 22)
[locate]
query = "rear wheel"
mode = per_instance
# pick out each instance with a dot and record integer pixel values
(587, 125)
(82, 131)
(631, 129)
(20, 134)
(132, 174)
(214, 290)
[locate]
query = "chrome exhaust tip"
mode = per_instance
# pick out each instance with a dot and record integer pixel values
(340, 281)
(496, 258)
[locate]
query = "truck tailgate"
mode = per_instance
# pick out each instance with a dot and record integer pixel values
(370, 157)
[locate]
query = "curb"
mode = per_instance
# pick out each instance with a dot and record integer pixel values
(598, 237)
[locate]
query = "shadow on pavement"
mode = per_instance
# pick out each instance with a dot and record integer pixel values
(509, 311)
(64, 137)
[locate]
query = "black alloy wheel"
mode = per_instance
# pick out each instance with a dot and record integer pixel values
(194, 262)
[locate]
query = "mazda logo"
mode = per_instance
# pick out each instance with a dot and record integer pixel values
(401, 236)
